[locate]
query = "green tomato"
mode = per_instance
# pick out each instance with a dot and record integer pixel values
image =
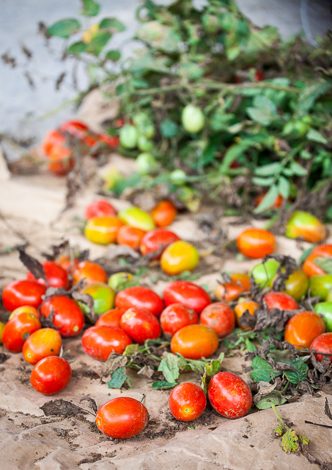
(146, 163)
(178, 177)
(136, 217)
(306, 226)
(325, 309)
(149, 131)
(192, 119)
(128, 136)
(120, 281)
(321, 285)
(329, 296)
(297, 284)
(141, 120)
(2, 327)
(264, 273)
(103, 297)
(144, 143)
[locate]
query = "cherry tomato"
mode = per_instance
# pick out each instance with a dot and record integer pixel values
(130, 236)
(50, 375)
(102, 230)
(140, 324)
(239, 283)
(140, 297)
(145, 162)
(243, 306)
(325, 310)
(321, 285)
(99, 208)
(322, 345)
(156, 241)
(120, 281)
(128, 136)
(178, 257)
(24, 309)
(55, 276)
(297, 284)
(276, 203)
(76, 128)
(60, 157)
(256, 243)
(175, 317)
(101, 341)
(136, 217)
(64, 313)
(90, 272)
(305, 226)
(220, 317)
(111, 318)
(22, 293)
(164, 213)
(187, 402)
(280, 300)
(264, 273)
(112, 141)
(102, 295)
(122, 418)
(42, 343)
(195, 342)
(229, 395)
(310, 267)
(193, 119)
(303, 328)
(188, 294)
(17, 330)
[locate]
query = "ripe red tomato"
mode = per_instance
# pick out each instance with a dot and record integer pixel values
(229, 395)
(280, 300)
(310, 267)
(55, 276)
(24, 309)
(175, 317)
(140, 324)
(101, 341)
(140, 297)
(239, 283)
(303, 328)
(188, 294)
(256, 242)
(322, 346)
(156, 241)
(130, 236)
(122, 418)
(220, 317)
(50, 375)
(99, 208)
(64, 313)
(60, 157)
(187, 402)
(17, 330)
(74, 127)
(42, 343)
(112, 141)
(164, 213)
(89, 271)
(22, 293)
(111, 318)
(195, 342)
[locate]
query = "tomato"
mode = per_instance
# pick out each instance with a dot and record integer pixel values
(188, 294)
(193, 119)
(156, 241)
(42, 343)
(195, 342)
(187, 402)
(50, 375)
(102, 295)
(112, 141)
(297, 284)
(175, 317)
(320, 286)
(55, 276)
(68, 263)
(239, 283)
(229, 395)
(64, 313)
(76, 128)
(60, 157)
(111, 318)
(18, 329)
(145, 145)
(130, 236)
(136, 217)
(99, 208)
(102, 230)
(2, 327)
(101, 341)
(122, 418)
(303, 328)
(259, 75)
(24, 309)
(277, 203)
(145, 162)
(256, 243)
(89, 271)
(22, 293)
(164, 213)
(264, 273)
(305, 226)
(120, 281)
(220, 317)
(178, 257)
(243, 306)
(321, 251)
(280, 300)
(140, 324)
(178, 177)
(128, 136)
(325, 310)
(322, 346)
(140, 297)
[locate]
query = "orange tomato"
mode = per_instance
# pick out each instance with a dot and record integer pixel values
(130, 236)
(310, 267)
(178, 257)
(195, 342)
(238, 284)
(89, 271)
(303, 328)
(42, 343)
(256, 242)
(24, 309)
(305, 226)
(164, 213)
(102, 230)
(220, 317)
(242, 306)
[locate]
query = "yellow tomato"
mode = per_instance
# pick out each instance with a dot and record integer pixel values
(178, 257)
(2, 326)
(102, 230)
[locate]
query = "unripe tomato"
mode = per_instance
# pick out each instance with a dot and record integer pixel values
(239, 283)
(188, 294)
(243, 306)
(99, 208)
(55, 276)
(136, 217)
(309, 265)
(303, 328)
(175, 317)
(178, 257)
(280, 300)
(322, 346)
(22, 293)
(140, 297)
(122, 418)
(146, 163)
(102, 230)
(264, 273)
(156, 241)
(164, 213)
(256, 243)
(111, 318)
(2, 327)
(229, 395)
(90, 272)
(187, 402)
(320, 286)
(17, 330)
(195, 342)
(128, 136)
(220, 317)
(64, 313)
(50, 375)
(102, 295)
(130, 236)
(325, 310)
(178, 177)
(193, 119)
(305, 226)
(120, 281)
(24, 309)
(145, 145)
(100, 342)
(140, 325)
(42, 343)
(297, 284)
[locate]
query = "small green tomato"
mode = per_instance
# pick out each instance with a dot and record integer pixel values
(193, 119)
(136, 217)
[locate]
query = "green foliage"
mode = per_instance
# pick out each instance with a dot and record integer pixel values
(118, 378)
(64, 28)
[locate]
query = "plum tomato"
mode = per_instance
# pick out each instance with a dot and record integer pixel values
(193, 119)
(136, 217)
(140, 297)
(156, 241)
(187, 401)
(296, 285)
(102, 230)
(280, 300)
(320, 285)
(18, 329)
(303, 328)
(164, 213)
(188, 294)
(178, 257)
(121, 280)
(99, 208)
(264, 273)
(64, 313)
(195, 342)
(229, 395)
(130, 236)
(321, 251)
(140, 324)
(50, 375)
(256, 243)
(122, 418)
(245, 305)
(322, 346)
(238, 284)
(101, 341)
(42, 343)
(220, 317)
(22, 293)
(305, 226)
(175, 317)
(325, 310)
(102, 296)
(111, 318)
(55, 276)
(89, 271)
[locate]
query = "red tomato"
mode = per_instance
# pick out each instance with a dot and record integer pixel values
(76, 128)
(50, 375)
(220, 317)
(156, 241)
(89, 271)
(24, 309)
(60, 157)
(140, 297)
(259, 75)
(175, 317)
(42, 343)
(187, 402)
(122, 418)
(55, 276)
(99, 208)
(140, 325)
(101, 341)
(310, 267)
(65, 314)
(239, 283)
(303, 328)
(110, 140)
(280, 300)
(164, 213)
(188, 294)
(111, 318)
(22, 293)
(229, 395)
(256, 243)
(130, 236)
(195, 342)
(18, 329)
(322, 346)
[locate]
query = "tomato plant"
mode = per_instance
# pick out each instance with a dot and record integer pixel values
(140, 297)
(102, 230)
(280, 300)
(175, 317)
(22, 293)
(178, 257)
(305, 226)
(192, 119)
(220, 317)
(296, 285)
(130, 236)
(102, 295)
(264, 273)
(187, 402)
(188, 294)
(322, 346)
(140, 324)
(42, 343)
(64, 313)
(303, 328)
(17, 330)
(164, 213)
(50, 375)
(156, 241)
(256, 243)
(99, 208)
(195, 342)
(101, 341)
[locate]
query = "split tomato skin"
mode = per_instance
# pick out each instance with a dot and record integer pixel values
(175, 317)
(187, 402)
(55, 276)
(130, 236)
(42, 343)
(99, 208)
(280, 301)
(22, 293)
(17, 330)
(305, 226)
(164, 213)
(321, 251)
(156, 241)
(140, 324)
(322, 346)
(229, 395)
(256, 243)
(140, 297)
(195, 342)
(178, 257)
(51, 375)
(102, 230)
(101, 341)
(65, 314)
(303, 328)
(90, 272)
(111, 318)
(122, 418)
(188, 294)
(220, 317)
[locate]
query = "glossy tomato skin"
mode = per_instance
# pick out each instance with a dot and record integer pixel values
(305, 226)
(90, 272)
(42, 343)
(140, 325)
(102, 230)
(17, 330)
(101, 341)
(320, 286)
(55, 276)
(65, 314)
(24, 309)
(280, 300)
(303, 328)
(122, 418)
(321, 251)
(140, 297)
(164, 213)
(256, 243)
(178, 257)
(175, 317)
(130, 236)
(220, 317)
(264, 273)
(111, 318)
(325, 310)
(50, 375)
(229, 395)
(102, 296)
(22, 293)
(297, 284)
(243, 306)
(195, 342)
(99, 208)
(188, 294)
(322, 346)
(136, 217)
(156, 241)
(187, 402)
(238, 284)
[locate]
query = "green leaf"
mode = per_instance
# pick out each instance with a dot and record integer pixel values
(260, 181)
(118, 378)
(316, 136)
(268, 200)
(160, 36)
(163, 385)
(274, 398)
(263, 111)
(90, 8)
(169, 366)
(233, 152)
(325, 263)
(98, 42)
(310, 95)
(262, 371)
(297, 169)
(249, 345)
(272, 169)
(284, 187)
(77, 48)
(113, 54)
(113, 24)
(64, 28)
(260, 116)
(169, 128)
(298, 373)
